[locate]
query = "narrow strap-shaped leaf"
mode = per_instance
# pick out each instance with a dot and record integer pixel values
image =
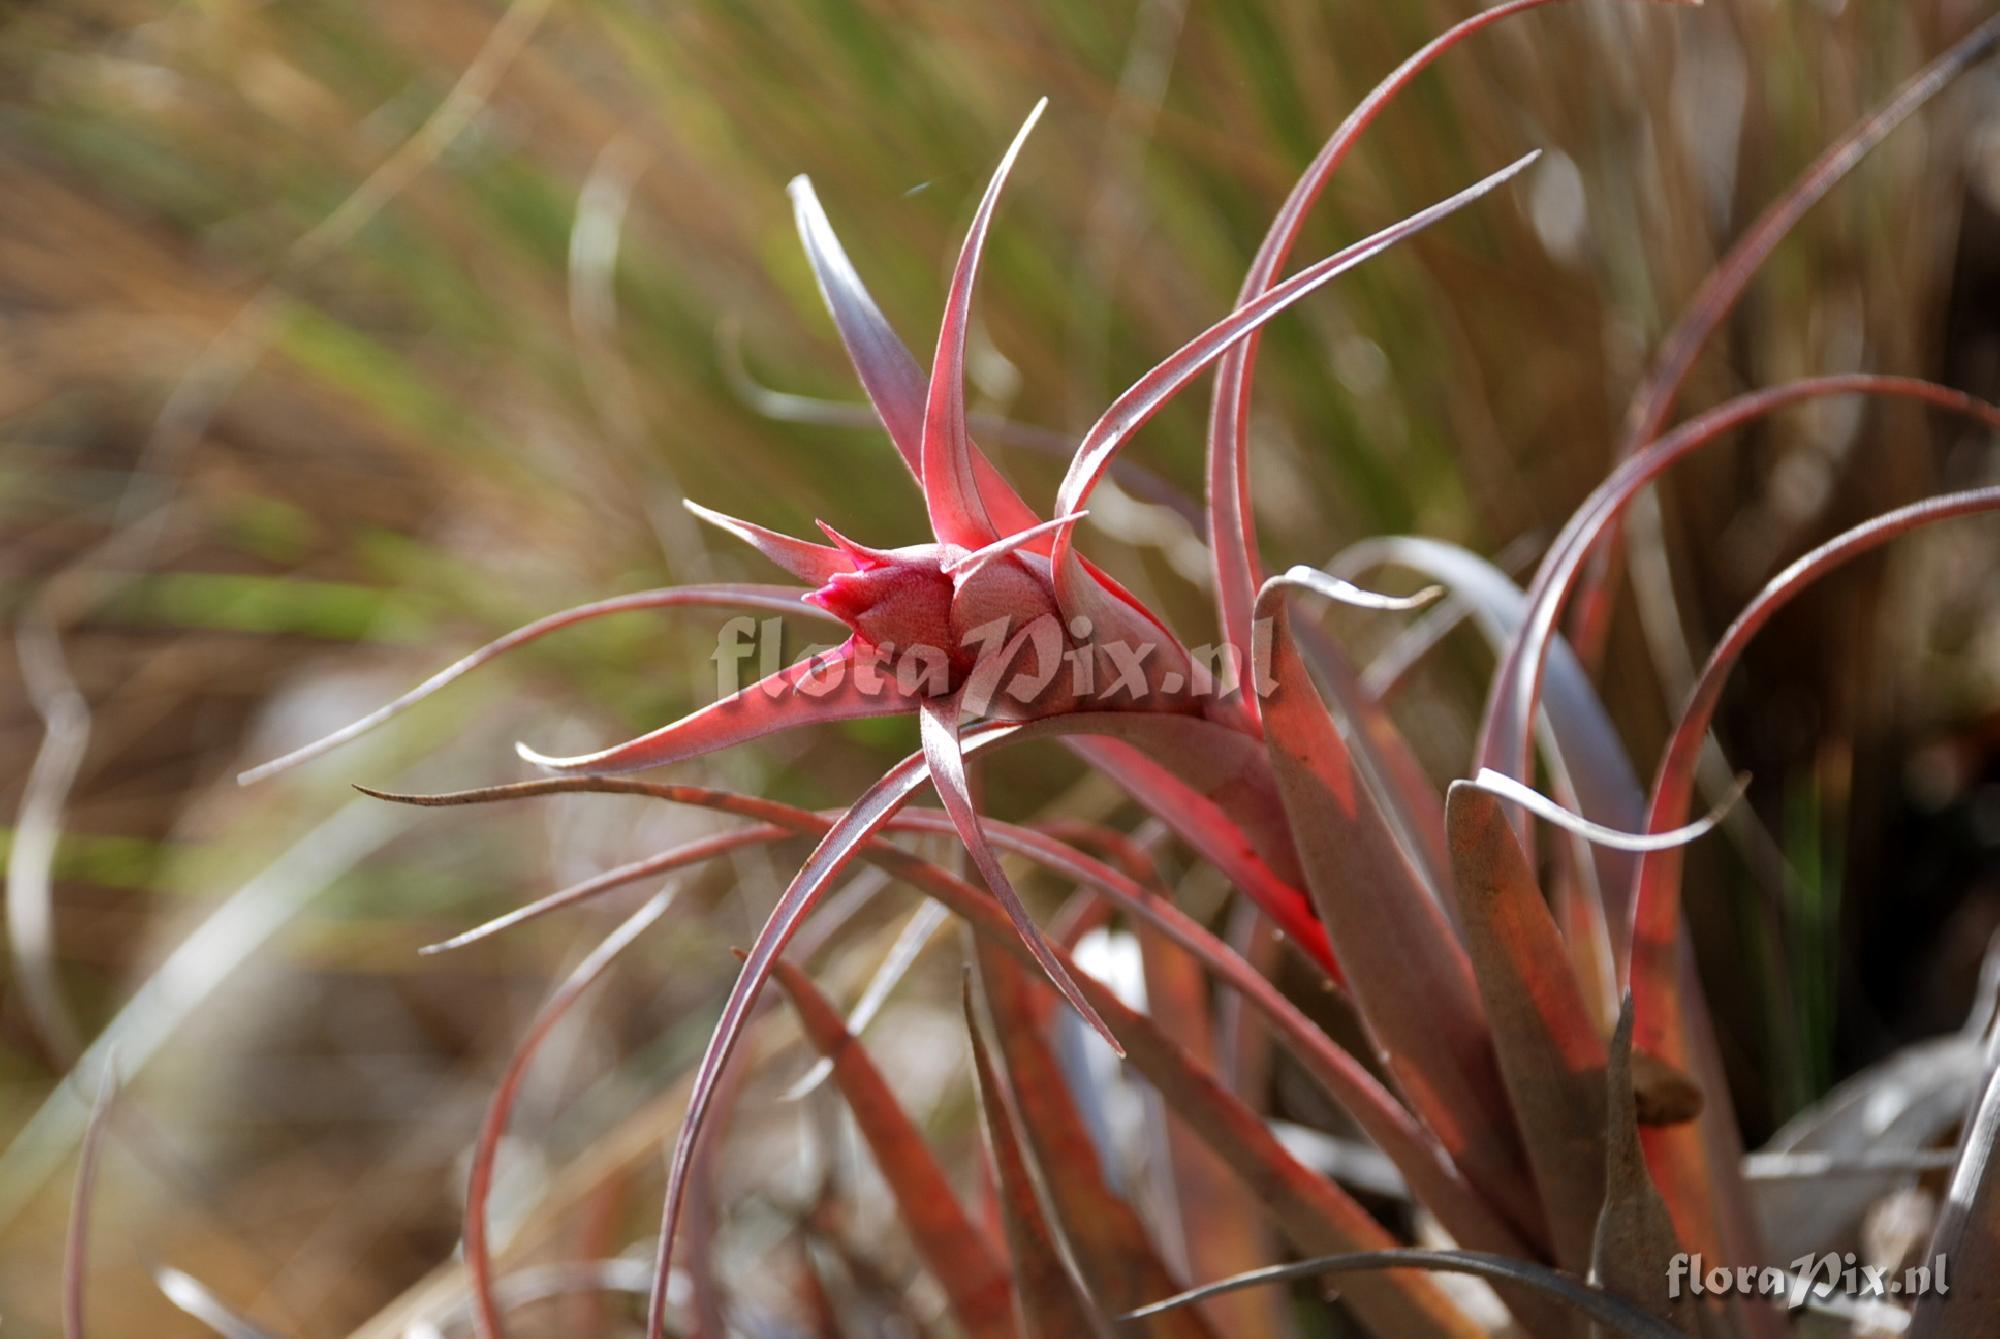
(695, 852)
(1551, 1055)
(805, 560)
(1411, 800)
(1381, 1117)
(1050, 1302)
(486, 1308)
(966, 564)
(938, 723)
(1231, 517)
(1633, 1246)
(1342, 591)
(1701, 1179)
(894, 383)
(1653, 401)
(1312, 1212)
(954, 1250)
(951, 488)
(1218, 1226)
(1113, 1248)
(836, 850)
(1207, 826)
(1504, 787)
(834, 853)
(1586, 756)
(846, 683)
(780, 599)
(1344, 1079)
(1620, 1317)
(1655, 939)
(1535, 648)
(1310, 1208)
(910, 942)
(1967, 1238)
(1408, 974)
(1130, 411)
(1348, 1082)
(889, 374)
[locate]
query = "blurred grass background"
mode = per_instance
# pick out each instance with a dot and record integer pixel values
(340, 337)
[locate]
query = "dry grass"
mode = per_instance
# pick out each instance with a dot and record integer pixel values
(316, 372)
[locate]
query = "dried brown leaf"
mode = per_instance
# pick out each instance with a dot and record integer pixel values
(951, 1246)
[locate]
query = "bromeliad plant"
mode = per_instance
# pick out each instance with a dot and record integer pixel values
(1567, 1144)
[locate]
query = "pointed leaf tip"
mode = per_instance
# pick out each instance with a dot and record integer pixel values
(1346, 592)
(1505, 787)
(782, 599)
(809, 562)
(965, 564)
(948, 469)
(946, 758)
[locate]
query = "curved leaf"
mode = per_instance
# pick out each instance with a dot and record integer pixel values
(1504, 787)
(951, 489)
(1130, 411)
(1621, 1317)
(698, 851)
(1515, 690)
(1653, 401)
(1656, 905)
(889, 374)
(1409, 976)
(845, 684)
(1550, 1052)
(1694, 1164)
(956, 1252)
(781, 599)
(939, 724)
(487, 1311)
(809, 562)
(1346, 1080)
(1231, 518)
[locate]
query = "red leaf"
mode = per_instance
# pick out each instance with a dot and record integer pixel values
(1550, 1053)
(1130, 411)
(1231, 518)
(782, 599)
(1516, 687)
(1697, 1166)
(1408, 974)
(939, 724)
(951, 488)
(1347, 1081)
(818, 690)
(894, 382)
(955, 1251)
(812, 563)
(1051, 1303)
(1724, 286)
(1114, 1251)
